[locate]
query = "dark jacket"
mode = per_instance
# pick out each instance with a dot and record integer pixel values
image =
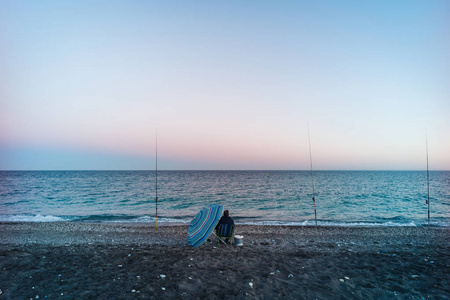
(226, 220)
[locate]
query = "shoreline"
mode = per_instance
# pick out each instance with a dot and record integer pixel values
(104, 261)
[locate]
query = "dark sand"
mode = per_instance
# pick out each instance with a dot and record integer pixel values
(126, 261)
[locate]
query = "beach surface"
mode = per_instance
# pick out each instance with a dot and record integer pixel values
(137, 261)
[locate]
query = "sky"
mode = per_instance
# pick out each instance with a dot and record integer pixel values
(224, 85)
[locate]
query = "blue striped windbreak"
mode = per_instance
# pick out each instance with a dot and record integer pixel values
(203, 224)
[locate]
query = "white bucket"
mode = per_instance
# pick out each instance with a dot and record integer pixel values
(238, 240)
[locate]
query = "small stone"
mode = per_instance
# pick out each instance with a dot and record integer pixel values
(138, 277)
(190, 278)
(250, 284)
(162, 276)
(192, 259)
(414, 276)
(341, 280)
(346, 278)
(133, 291)
(290, 275)
(120, 266)
(129, 255)
(163, 288)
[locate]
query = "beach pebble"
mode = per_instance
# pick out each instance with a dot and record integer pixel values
(120, 266)
(414, 276)
(138, 277)
(341, 280)
(346, 278)
(192, 259)
(290, 275)
(133, 291)
(162, 276)
(163, 288)
(250, 284)
(271, 273)
(1, 292)
(129, 255)
(190, 278)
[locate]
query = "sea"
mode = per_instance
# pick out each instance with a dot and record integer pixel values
(342, 198)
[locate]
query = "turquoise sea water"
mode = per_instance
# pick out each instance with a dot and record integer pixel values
(343, 198)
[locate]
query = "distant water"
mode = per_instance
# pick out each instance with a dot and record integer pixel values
(343, 198)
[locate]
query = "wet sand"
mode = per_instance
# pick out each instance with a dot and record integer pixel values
(137, 261)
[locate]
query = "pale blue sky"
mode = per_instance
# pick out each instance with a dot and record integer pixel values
(229, 85)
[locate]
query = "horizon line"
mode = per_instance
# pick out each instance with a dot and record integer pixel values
(218, 170)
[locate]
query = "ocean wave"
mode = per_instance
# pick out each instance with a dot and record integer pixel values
(346, 224)
(146, 219)
(31, 218)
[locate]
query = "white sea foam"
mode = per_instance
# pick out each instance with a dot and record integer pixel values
(30, 218)
(173, 221)
(149, 219)
(335, 224)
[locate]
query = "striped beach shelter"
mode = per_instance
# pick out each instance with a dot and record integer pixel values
(203, 224)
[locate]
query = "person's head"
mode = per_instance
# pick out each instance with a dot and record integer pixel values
(226, 213)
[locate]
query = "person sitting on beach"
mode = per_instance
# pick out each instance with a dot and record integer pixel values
(226, 219)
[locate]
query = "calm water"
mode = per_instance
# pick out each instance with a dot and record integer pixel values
(347, 198)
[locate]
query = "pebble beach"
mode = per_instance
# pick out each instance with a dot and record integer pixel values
(70, 260)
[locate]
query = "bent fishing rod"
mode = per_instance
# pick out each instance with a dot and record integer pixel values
(428, 178)
(312, 177)
(156, 181)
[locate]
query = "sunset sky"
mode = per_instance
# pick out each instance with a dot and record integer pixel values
(226, 85)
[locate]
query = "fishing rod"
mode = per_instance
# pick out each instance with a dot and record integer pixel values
(428, 178)
(312, 177)
(156, 181)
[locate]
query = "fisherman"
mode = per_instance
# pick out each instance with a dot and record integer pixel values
(226, 219)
